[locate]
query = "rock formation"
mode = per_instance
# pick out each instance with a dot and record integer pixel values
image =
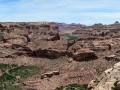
(109, 80)
(89, 51)
(29, 39)
(84, 54)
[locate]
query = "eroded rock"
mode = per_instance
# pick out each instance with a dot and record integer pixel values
(108, 80)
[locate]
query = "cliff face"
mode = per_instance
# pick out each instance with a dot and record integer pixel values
(30, 39)
(44, 40)
(77, 60)
(109, 80)
(99, 30)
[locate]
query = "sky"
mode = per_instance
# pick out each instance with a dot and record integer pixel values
(86, 12)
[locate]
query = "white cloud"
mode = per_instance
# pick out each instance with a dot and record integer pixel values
(82, 11)
(101, 15)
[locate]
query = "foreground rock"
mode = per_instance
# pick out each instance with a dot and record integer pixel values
(109, 80)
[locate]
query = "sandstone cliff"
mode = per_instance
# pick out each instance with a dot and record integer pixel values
(30, 39)
(77, 60)
(109, 80)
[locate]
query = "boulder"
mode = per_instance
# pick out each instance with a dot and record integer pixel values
(110, 57)
(84, 54)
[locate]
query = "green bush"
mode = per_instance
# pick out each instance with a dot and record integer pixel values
(73, 87)
(8, 80)
(67, 34)
(71, 38)
(24, 71)
(6, 77)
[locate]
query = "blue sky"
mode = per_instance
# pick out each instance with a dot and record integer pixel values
(69, 11)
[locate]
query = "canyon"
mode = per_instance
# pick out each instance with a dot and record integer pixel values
(66, 53)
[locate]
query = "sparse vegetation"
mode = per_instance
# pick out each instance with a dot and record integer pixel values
(13, 75)
(71, 38)
(67, 34)
(115, 86)
(73, 87)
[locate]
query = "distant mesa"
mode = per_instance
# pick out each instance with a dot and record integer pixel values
(116, 22)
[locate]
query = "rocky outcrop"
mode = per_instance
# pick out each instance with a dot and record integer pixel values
(110, 57)
(109, 80)
(30, 39)
(70, 43)
(48, 53)
(84, 55)
(50, 74)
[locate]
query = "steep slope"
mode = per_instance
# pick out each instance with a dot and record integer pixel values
(109, 80)
(30, 39)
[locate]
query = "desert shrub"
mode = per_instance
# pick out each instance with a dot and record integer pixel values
(115, 86)
(8, 80)
(73, 87)
(71, 38)
(67, 34)
(6, 77)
